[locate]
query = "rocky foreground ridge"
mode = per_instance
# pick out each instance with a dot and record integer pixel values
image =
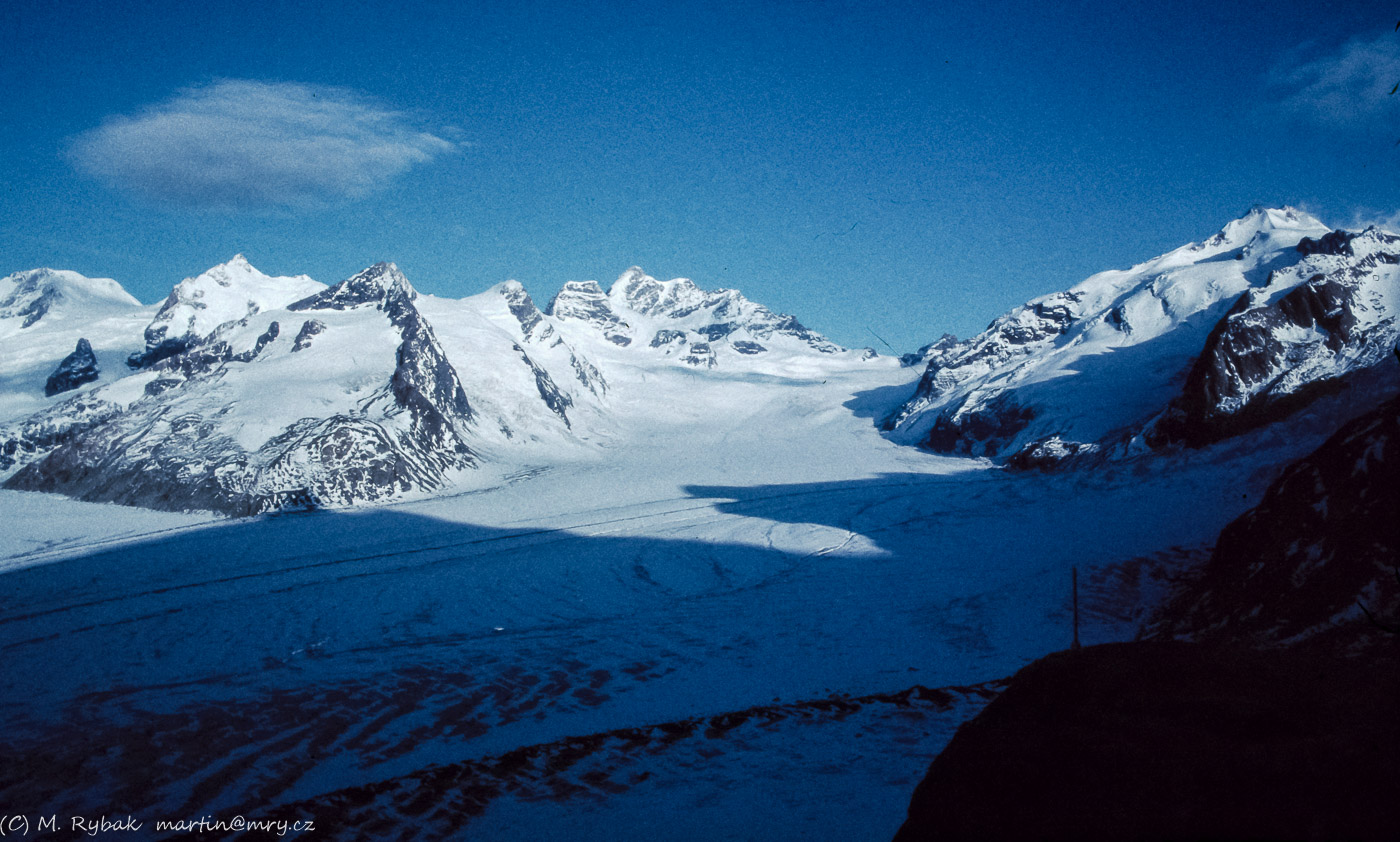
(1260, 706)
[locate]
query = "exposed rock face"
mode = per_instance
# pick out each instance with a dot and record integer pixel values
(46, 430)
(309, 329)
(537, 331)
(1047, 454)
(31, 295)
(557, 401)
(1275, 349)
(1325, 536)
(372, 286)
(30, 299)
(1200, 343)
(199, 305)
(585, 301)
(982, 422)
(1172, 741)
(929, 352)
(73, 371)
(532, 324)
(700, 355)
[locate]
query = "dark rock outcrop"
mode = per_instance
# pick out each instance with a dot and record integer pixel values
(980, 432)
(368, 287)
(585, 301)
(557, 401)
(309, 329)
(1271, 355)
(700, 355)
(60, 424)
(76, 369)
(1337, 242)
(1048, 454)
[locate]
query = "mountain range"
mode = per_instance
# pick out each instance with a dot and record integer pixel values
(244, 393)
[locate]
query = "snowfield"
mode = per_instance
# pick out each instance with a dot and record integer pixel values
(739, 541)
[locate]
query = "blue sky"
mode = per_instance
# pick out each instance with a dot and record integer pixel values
(906, 168)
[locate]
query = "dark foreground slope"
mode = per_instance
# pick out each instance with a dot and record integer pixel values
(1172, 740)
(1265, 708)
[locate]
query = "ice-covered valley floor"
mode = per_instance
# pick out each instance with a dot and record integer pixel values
(703, 626)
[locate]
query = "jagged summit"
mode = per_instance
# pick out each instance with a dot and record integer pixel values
(644, 294)
(380, 284)
(677, 318)
(585, 301)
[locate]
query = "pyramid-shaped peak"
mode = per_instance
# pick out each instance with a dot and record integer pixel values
(377, 284)
(235, 271)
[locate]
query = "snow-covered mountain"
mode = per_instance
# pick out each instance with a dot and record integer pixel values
(678, 319)
(1179, 348)
(226, 293)
(355, 402)
(244, 393)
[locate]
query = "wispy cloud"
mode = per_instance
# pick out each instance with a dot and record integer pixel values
(1349, 86)
(238, 143)
(1390, 221)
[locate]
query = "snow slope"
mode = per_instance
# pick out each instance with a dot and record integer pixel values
(43, 315)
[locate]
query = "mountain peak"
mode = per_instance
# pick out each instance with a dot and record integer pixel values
(33, 293)
(377, 284)
(1261, 220)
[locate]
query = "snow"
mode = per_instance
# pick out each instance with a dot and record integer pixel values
(739, 536)
(1129, 336)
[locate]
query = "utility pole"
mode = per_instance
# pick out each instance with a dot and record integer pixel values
(1074, 591)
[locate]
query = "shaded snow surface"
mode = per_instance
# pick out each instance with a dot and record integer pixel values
(738, 540)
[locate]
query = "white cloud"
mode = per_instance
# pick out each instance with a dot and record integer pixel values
(1349, 86)
(238, 143)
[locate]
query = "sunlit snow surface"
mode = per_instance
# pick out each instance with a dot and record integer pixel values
(740, 542)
